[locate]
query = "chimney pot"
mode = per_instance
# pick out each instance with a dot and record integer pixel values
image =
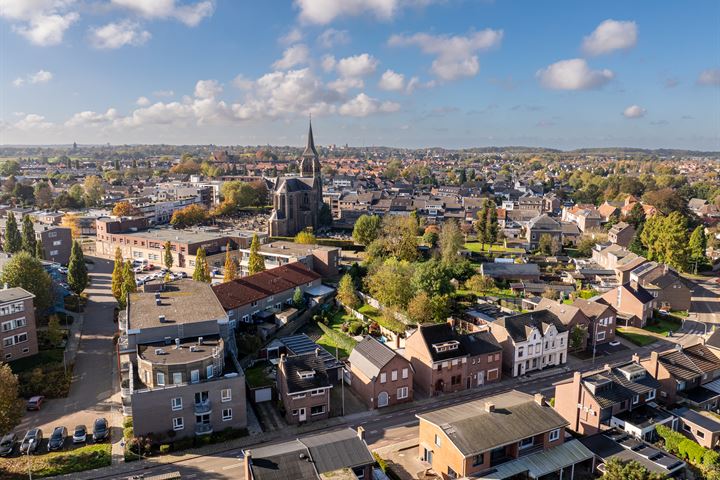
(361, 433)
(317, 352)
(489, 407)
(636, 358)
(577, 376)
(540, 399)
(606, 367)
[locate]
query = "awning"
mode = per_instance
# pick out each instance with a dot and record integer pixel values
(542, 463)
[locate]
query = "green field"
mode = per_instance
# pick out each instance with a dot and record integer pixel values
(636, 338)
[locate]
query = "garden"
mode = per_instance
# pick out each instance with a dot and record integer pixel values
(50, 464)
(637, 338)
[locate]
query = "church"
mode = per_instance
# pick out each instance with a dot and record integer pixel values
(297, 200)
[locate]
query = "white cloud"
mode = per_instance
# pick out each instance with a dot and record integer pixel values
(46, 30)
(207, 89)
(331, 38)
(292, 36)
(18, 82)
(363, 105)
(90, 118)
(343, 84)
(634, 111)
(41, 76)
(142, 101)
(456, 56)
(392, 81)
(292, 56)
(242, 83)
(32, 121)
(573, 74)
(357, 65)
(710, 77)
(328, 63)
(609, 36)
(118, 34)
(325, 11)
(191, 14)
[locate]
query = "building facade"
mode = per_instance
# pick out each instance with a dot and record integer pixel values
(380, 376)
(17, 324)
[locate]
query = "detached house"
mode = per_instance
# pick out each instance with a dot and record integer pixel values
(512, 435)
(543, 225)
(620, 397)
(445, 361)
(602, 320)
(531, 341)
(687, 375)
(634, 305)
(663, 283)
(380, 376)
(304, 387)
(621, 234)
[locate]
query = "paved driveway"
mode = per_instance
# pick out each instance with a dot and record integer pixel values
(91, 391)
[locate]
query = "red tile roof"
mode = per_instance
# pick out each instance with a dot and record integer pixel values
(243, 291)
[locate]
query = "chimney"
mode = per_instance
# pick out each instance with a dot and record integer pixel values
(606, 367)
(636, 358)
(246, 464)
(577, 376)
(489, 407)
(361, 433)
(161, 318)
(317, 352)
(158, 302)
(200, 340)
(540, 399)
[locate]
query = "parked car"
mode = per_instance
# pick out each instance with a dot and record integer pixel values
(63, 270)
(7, 444)
(32, 441)
(101, 430)
(137, 269)
(80, 434)
(57, 439)
(35, 402)
(181, 274)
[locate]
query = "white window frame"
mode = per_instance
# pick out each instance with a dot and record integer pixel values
(636, 399)
(319, 413)
(160, 379)
(405, 373)
(178, 423)
(175, 377)
(176, 404)
(438, 440)
(402, 393)
(554, 435)
(210, 371)
(227, 414)
(383, 377)
(650, 395)
(393, 375)
(194, 376)
(225, 395)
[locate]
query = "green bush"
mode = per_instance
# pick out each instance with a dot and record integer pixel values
(228, 434)
(183, 443)
(49, 380)
(355, 328)
(128, 433)
(127, 422)
(342, 341)
(164, 449)
(385, 467)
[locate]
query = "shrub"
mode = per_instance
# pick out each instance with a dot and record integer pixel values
(355, 328)
(127, 422)
(183, 443)
(128, 433)
(342, 341)
(164, 449)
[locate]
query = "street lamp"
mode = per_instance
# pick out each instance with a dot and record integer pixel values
(29, 451)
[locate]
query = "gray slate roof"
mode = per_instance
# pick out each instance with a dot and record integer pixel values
(370, 356)
(518, 326)
(339, 449)
(308, 361)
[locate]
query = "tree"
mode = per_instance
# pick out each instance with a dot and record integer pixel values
(480, 284)
(7, 168)
(666, 240)
(125, 209)
(618, 470)
(491, 224)
(72, 221)
(77, 275)
(400, 237)
(191, 215)
(419, 308)
(390, 284)
(698, 246)
(94, 190)
(117, 275)
(77, 193)
(636, 245)
(367, 229)
(325, 217)
(298, 298)
(451, 241)
(167, 257)
(26, 271)
(433, 278)
(578, 336)
(54, 332)
(666, 200)
(636, 215)
(481, 223)
(11, 407)
(202, 270)
(256, 262)
(28, 235)
(305, 238)
(230, 270)
(39, 250)
(13, 240)
(43, 194)
(430, 238)
(346, 292)
(545, 244)
(128, 285)
(585, 246)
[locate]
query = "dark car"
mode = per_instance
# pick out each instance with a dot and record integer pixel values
(7, 444)
(35, 402)
(57, 439)
(101, 431)
(31, 442)
(80, 434)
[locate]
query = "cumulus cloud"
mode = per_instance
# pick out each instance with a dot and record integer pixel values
(292, 36)
(331, 38)
(42, 22)
(90, 118)
(118, 34)
(190, 14)
(634, 111)
(363, 105)
(325, 11)
(328, 63)
(207, 89)
(242, 83)
(32, 121)
(41, 76)
(292, 56)
(142, 101)
(392, 81)
(357, 65)
(709, 77)
(455, 56)
(343, 84)
(609, 36)
(573, 74)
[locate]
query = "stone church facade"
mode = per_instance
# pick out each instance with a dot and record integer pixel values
(297, 200)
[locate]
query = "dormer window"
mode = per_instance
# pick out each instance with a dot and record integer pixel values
(304, 374)
(446, 346)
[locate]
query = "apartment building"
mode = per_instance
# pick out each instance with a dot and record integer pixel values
(177, 360)
(379, 375)
(323, 259)
(511, 435)
(542, 225)
(303, 386)
(621, 396)
(56, 241)
(17, 324)
(531, 341)
(445, 360)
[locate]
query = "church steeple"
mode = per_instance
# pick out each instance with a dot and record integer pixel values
(310, 148)
(310, 160)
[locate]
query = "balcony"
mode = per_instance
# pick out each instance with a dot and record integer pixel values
(203, 429)
(203, 407)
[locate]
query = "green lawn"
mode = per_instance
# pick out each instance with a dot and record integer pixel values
(43, 357)
(257, 376)
(393, 325)
(663, 326)
(57, 463)
(636, 338)
(330, 345)
(477, 247)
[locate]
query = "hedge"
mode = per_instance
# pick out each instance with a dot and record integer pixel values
(340, 339)
(687, 449)
(385, 467)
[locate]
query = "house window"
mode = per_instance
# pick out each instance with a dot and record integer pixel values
(478, 459)
(520, 352)
(295, 412)
(383, 377)
(225, 395)
(451, 473)
(178, 423)
(687, 428)
(455, 380)
(54, 253)
(700, 434)
(636, 399)
(317, 410)
(177, 377)
(210, 371)
(600, 336)
(438, 441)
(160, 379)
(554, 435)
(227, 414)
(176, 403)
(650, 395)
(527, 442)
(393, 375)
(315, 393)
(404, 373)
(194, 376)
(402, 392)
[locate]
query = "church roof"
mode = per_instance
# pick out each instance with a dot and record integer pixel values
(310, 150)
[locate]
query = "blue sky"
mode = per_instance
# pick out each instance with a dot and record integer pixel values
(412, 73)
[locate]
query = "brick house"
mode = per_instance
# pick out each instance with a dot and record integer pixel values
(531, 341)
(17, 324)
(613, 397)
(304, 387)
(702, 427)
(602, 320)
(669, 289)
(542, 225)
(621, 234)
(445, 360)
(380, 376)
(508, 435)
(570, 315)
(633, 304)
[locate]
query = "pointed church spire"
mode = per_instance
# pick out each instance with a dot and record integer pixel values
(310, 148)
